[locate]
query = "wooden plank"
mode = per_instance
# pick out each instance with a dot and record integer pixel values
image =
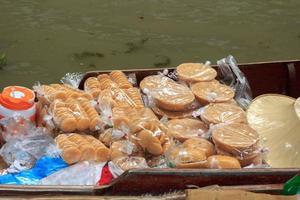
(157, 181)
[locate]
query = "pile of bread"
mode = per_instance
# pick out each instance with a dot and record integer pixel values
(192, 122)
(70, 109)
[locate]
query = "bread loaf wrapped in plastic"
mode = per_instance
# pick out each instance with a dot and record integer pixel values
(76, 147)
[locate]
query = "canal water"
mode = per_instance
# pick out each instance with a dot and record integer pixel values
(41, 40)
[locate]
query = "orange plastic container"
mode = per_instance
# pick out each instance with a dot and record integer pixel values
(17, 100)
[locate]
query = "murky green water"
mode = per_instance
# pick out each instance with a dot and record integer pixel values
(44, 39)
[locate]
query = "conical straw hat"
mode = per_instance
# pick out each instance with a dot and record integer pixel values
(277, 120)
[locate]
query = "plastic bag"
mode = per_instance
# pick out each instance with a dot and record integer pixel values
(78, 114)
(186, 128)
(239, 141)
(83, 173)
(28, 145)
(42, 168)
(76, 147)
(192, 153)
(72, 79)
(232, 76)
(167, 94)
(125, 148)
(119, 166)
(148, 132)
(223, 113)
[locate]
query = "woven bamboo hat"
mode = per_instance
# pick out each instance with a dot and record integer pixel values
(277, 120)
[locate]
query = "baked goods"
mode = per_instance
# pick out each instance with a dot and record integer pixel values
(181, 157)
(76, 147)
(120, 79)
(48, 93)
(212, 92)
(124, 148)
(183, 129)
(92, 86)
(70, 115)
(200, 144)
(245, 159)
(195, 72)
(222, 162)
(173, 114)
(237, 140)
(215, 113)
(134, 162)
(167, 94)
(105, 82)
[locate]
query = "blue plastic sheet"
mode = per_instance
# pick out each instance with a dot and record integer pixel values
(44, 167)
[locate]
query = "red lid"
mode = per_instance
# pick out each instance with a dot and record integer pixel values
(17, 98)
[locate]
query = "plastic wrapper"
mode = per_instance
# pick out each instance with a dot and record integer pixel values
(192, 153)
(222, 162)
(157, 161)
(117, 91)
(128, 163)
(76, 147)
(72, 79)
(75, 114)
(276, 118)
(83, 173)
(149, 133)
(186, 128)
(111, 135)
(223, 113)
(42, 168)
(237, 140)
(167, 94)
(196, 72)
(231, 75)
(67, 109)
(212, 92)
(46, 94)
(125, 148)
(25, 143)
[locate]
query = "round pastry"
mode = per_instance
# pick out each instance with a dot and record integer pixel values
(183, 129)
(200, 144)
(168, 94)
(195, 72)
(222, 162)
(235, 138)
(152, 82)
(212, 92)
(216, 113)
(245, 159)
(172, 115)
(182, 157)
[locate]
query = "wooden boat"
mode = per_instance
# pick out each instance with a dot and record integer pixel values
(282, 77)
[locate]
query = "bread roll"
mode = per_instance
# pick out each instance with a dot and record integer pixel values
(149, 142)
(222, 162)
